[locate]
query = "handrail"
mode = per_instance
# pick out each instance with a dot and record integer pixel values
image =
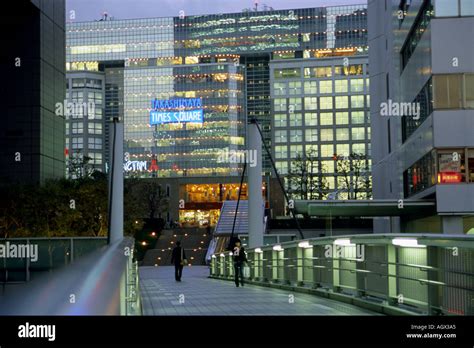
(105, 282)
(432, 276)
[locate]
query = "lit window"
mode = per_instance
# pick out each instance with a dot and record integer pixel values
(358, 133)
(326, 119)
(311, 135)
(94, 128)
(357, 101)
(282, 167)
(280, 104)
(357, 85)
(325, 87)
(296, 120)
(311, 119)
(327, 150)
(342, 118)
(294, 88)
(280, 136)
(280, 120)
(310, 103)
(294, 104)
(342, 102)
(281, 152)
(296, 135)
(311, 87)
(77, 127)
(279, 88)
(342, 150)
(357, 117)
(340, 86)
(77, 143)
(325, 103)
(295, 151)
(327, 134)
(342, 134)
(95, 143)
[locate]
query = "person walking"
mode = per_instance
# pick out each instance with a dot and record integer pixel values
(178, 258)
(239, 259)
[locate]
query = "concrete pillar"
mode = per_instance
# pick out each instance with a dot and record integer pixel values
(256, 204)
(116, 183)
(452, 224)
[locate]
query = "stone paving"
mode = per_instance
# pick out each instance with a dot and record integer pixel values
(198, 295)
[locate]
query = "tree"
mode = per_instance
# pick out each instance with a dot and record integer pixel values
(79, 166)
(354, 175)
(306, 179)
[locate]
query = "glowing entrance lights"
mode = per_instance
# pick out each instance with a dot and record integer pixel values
(407, 242)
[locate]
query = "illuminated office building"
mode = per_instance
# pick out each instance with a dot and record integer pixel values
(422, 55)
(218, 66)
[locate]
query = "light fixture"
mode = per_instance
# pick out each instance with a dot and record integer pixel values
(258, 250)
(277, 247)
(344, 242)
(304, 245)
(407, 242)
(213, 256)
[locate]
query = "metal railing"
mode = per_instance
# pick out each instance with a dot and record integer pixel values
(390, 273)
(104, 282)
(52, 253)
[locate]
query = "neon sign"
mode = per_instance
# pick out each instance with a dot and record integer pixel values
(449, 177)
(183, 110)
(130, 166)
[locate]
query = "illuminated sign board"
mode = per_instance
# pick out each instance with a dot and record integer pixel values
(184, 110)
(449, 178)
(131, 166)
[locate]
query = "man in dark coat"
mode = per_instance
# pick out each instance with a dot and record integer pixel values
(239, 259)
(178, 258)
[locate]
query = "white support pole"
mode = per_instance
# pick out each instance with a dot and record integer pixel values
(116, 183)
(256, 204)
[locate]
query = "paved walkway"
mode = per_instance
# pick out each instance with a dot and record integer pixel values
(198, 295)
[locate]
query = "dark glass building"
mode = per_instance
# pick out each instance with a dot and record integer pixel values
(32, 61)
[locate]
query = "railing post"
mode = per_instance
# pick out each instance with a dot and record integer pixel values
(336, 264)
(434, 294)
(275, 265)
(299, 265)
(391, 273)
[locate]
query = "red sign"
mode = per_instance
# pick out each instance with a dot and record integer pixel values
(154, 166)
(449, 177)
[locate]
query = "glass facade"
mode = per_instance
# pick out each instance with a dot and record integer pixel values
(85, 124)
(223, 59)
(32, 68)
(222, 62)
(322, 113)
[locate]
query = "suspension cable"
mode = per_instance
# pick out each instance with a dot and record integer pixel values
(253, 120)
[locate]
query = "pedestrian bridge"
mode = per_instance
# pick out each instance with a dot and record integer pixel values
(345, 275)
(196, 294)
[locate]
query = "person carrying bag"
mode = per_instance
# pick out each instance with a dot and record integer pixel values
(178, 258)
